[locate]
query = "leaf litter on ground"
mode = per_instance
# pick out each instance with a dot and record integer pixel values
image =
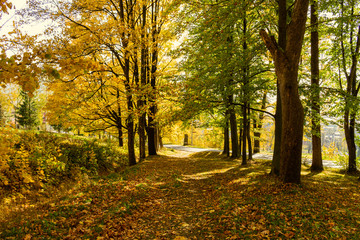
(178, 195)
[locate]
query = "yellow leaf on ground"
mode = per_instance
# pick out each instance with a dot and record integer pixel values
(180, 238)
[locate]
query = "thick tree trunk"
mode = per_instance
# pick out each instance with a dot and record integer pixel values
(151, 137)
(286, 68)
(292, 127)
(317, 164)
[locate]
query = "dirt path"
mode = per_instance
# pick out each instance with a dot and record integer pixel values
(185, 192)
(306, 161)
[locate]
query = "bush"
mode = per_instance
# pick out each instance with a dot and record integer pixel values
(33, 160)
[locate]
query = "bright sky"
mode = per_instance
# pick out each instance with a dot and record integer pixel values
(6, 21)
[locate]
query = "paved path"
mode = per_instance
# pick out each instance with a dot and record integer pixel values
(306, 161)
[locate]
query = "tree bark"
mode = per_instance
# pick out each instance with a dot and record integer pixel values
(286, 67)
(244, 136)
(317, 164)
(234, 135)
(352, 90)
(226, 150)
(241, 132)
(152, 141)
(245, 69)
(349, 126)
(282, 23)
(119, 124)
(130, 118)
(143, 83)
(120, 136)
(129, 98)
(248, 135)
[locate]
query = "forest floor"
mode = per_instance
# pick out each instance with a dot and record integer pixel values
(184, 195)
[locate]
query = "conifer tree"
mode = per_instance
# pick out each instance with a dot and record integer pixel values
(26, 113)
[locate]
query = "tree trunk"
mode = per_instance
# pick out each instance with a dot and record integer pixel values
(248, 135)
(244, 136)
(226, 150)
(349, 129)
(143, 83)
(160, 142)
(241, 132)
(118, 115)
(292, 127)
(142, 137)
(256, 136)
(131, 141)
(317, 164)
(234, 135)
(286, 67)
(151, 137)
(157, 139)
(130, 120)
(154, 62)
(120, 136)
(282, 23)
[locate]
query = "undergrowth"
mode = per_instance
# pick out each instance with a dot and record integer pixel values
(38, 160)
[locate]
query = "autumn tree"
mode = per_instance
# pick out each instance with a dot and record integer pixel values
(114, 47)
(23, 67)
(286, 55)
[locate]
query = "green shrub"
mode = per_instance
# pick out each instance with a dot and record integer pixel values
(33, 160)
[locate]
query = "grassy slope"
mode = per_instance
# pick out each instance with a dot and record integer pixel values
(198, 196)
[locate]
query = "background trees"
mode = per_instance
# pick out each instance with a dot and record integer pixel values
(222, 70)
